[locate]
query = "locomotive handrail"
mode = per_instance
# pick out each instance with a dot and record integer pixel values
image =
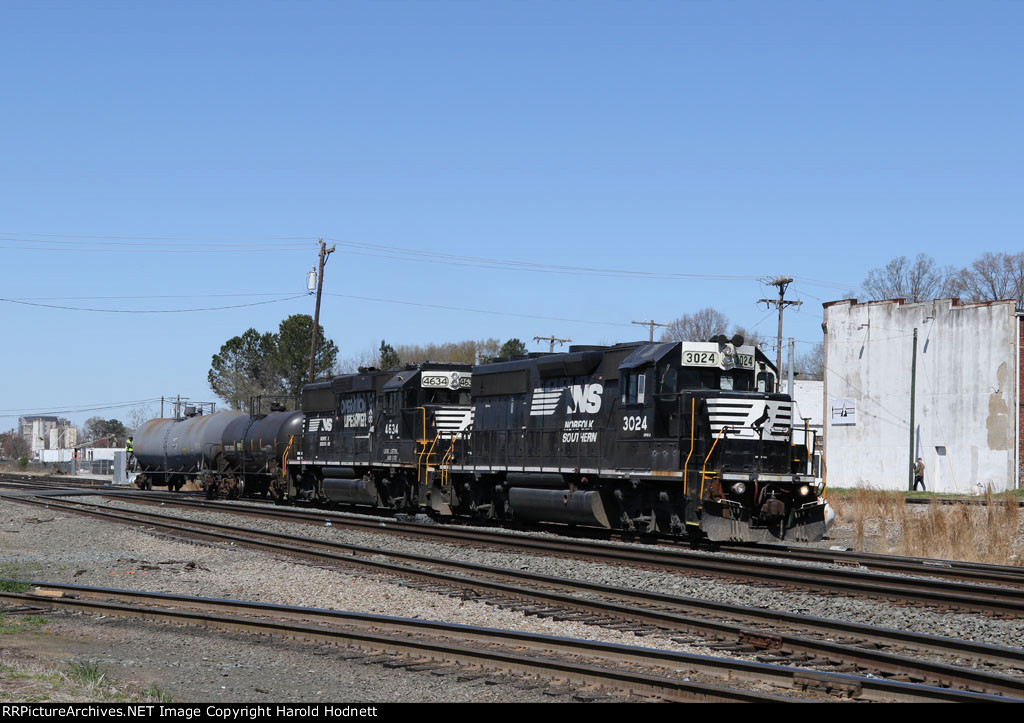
(446, 460)
(710, 452)
(287, 453)
(686, 464)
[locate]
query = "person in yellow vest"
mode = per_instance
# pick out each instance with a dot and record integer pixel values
(130, 450)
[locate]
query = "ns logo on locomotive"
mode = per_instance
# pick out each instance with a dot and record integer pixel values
(679, 438)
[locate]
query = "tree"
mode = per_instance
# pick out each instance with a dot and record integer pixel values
(991, 277)
(389, 358)
(13, 445)
(700, 326)
(270, 364)
(294, 341)
(245, 367)
(919, 280)
(457, 352)
(812, 363)
(751, 338)
(703, 325)
(512, 347)
(112, 430)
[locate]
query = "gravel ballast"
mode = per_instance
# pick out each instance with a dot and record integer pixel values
(54, 546)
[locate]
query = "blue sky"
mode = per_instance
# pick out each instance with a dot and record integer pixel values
(180, 151)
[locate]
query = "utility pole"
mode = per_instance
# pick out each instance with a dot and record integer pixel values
(324, 253)
(792, 365)
(913, 394)
(783, 283)
(552, 340)
(651, 324)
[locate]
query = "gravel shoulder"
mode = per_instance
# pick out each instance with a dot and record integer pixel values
(189, 665)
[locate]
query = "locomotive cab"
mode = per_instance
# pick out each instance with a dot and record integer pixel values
(373, 437)
(709, 412)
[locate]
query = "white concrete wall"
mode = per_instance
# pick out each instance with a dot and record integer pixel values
(966, 394)
(809, 402)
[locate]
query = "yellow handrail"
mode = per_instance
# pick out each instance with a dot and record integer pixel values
(446, 461)
(703, 469)
(693, 410)
(287, 452)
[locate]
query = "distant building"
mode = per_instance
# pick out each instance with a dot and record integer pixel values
(968, 409)
(45, 432)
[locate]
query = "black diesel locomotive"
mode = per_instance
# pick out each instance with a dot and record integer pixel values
(676, 438)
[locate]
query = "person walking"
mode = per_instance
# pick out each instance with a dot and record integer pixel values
(919, 475)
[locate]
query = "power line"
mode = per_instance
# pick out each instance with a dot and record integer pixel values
(476, 311)
(164, 296)
(152, 311)
(11, 413)
(170, 244)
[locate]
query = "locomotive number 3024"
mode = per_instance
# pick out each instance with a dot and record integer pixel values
(701, 358)
(632, 424)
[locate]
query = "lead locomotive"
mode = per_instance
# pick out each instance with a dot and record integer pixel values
(677, 438)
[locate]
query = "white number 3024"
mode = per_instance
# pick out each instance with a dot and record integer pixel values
(631, 424)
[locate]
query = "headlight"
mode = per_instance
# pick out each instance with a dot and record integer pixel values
(804, 490)
(739, 488)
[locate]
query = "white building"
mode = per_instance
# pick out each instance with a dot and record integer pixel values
(967, 410)
(44, 432)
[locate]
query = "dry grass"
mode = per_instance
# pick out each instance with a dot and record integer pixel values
(881, 521)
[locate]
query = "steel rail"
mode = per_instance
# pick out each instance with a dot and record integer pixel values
(635, 606)
(1008, 601)
(938, 568)
(400, 642)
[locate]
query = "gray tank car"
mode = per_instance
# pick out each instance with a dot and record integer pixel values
(227, 452)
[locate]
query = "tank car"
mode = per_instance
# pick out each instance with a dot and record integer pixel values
(228, 453)
(254, 450)
(169, 452)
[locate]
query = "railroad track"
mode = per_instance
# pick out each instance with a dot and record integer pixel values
(948, 569)
(849, 646)
(652, 673)
(943, 586)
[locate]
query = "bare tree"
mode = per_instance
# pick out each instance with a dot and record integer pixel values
(992, 277)
(699, 326)
(812, 363)
(753, 338)
(368, 357)
(464, 352)
(137, 417)
(704, 324)
(918, 280)
(13, 445)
